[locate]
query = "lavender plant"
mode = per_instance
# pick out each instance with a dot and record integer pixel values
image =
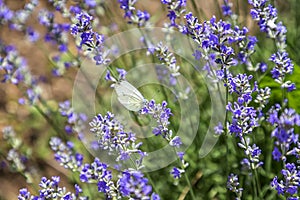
(103, 151)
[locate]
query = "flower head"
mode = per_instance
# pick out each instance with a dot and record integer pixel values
(291, 180)
(133, 184)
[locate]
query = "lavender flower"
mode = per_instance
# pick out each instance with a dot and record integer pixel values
(240, 85)
(277, 154)
(51, 190)
(233, 185)
(176, 172)
(5, 13)
(88, 6)
(89, 41)
(176, 142)
(134, 16)
(284, 121)
(133, 184)
(219, 129)
(76, 121)
(243, 121)
(56, 32)
(266, 15)
(216, 40)
(113, 138)
(289, 186)
(12, 64)
(161, 114)
(220, 44)
(76, 9)
(20, 17)
(9, 135)
(32, 35)
(16, 155)
(91, 3)
(61, 65)
(168, 60)
(98, 172)
(176, 8)
(61, 6)
(65, 154)
(130, 183)
(262, 67)
(197, 54)
(84, 24)
(252, 152)
(95, 172)
(262, 99)
(295, 151)
(24, 194)
(283, 66)
(244, 117)
(226, 8)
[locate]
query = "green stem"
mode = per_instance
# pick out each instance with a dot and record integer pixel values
(49, 120)
(185, 176)
(161, 87)
(219, 9)
(256, 185)
(195, 7)
(152, 183)
(225, 127)
(190, 185)
(284, 93)
(268, 160)
(226, 99)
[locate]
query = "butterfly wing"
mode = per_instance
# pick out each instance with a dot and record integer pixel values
(130, 103)
(127, 89)
(129, 96)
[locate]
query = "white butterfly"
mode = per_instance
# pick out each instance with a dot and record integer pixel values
(129, 96)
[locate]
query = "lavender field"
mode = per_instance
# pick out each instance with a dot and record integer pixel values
(149, 99)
